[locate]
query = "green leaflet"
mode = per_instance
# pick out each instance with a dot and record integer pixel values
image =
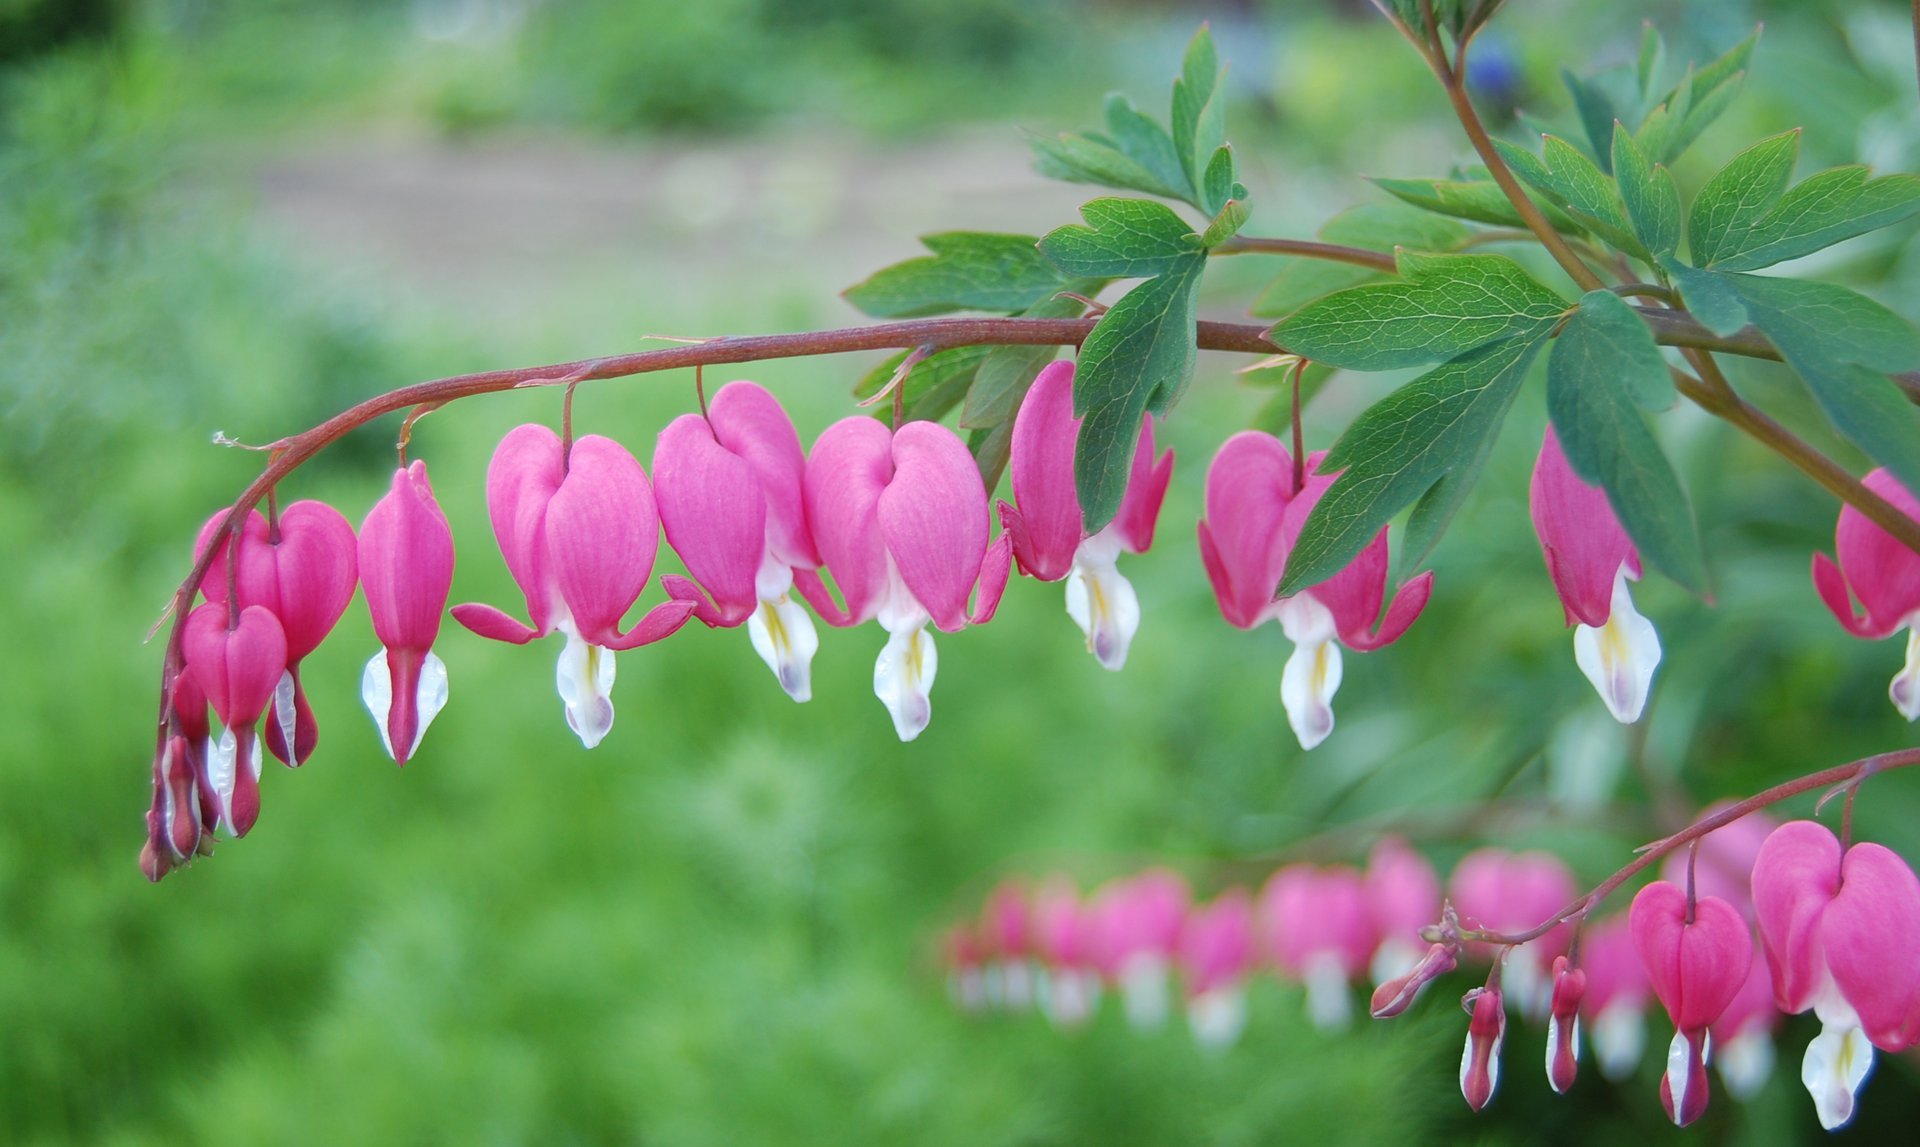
(1478, 199)
(1449, 304)
(1603, 371)
(1439, 424)
(1573, 183)
(1816, 213)
(934, 385)
(1649, 195)
(1139, 356)
(1738, 195)
(1122, 239)
(1843, 345)
(1094, 159)
(968, 271)
(1199, 112)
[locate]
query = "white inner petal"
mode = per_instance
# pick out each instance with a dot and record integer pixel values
(783, 635)
(1102, 603)
(1217, 1016)
(1905, 689)
(223, 772)
(1072, 995)
(376, 689)
(430, 698)
(1329, 1003)
(1553, 1043)
(1619, 1038)
(284, 713)
(1679, 1059)
(1620, 656)
(1746, 1061)
(584, 677)
(1312, 675)
(1143, 990)
(903, 677)
(1835, 1067)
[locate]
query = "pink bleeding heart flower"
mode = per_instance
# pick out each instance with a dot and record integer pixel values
(1064, 933)
(1506, 891)
(1616, 999)
(1841, 931)
(732, 494)
(406, 569)
(237, 662)
(1396, 995)
(1138, 932)
(1885, 575)
(1742, 1038)
(1697, 952)
(1049, 542)
(1216, 953)
(1723, 863)
(1563, 1024)
(302, 567)
(1006, 934)
(1486, 1031)
(1253, 516)
(174, 829)
(1591, 559)
(579, 533)
(1318, 928)
(964, 957)
(900, 518)
(1403, 894)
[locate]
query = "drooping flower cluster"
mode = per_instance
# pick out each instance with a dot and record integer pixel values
(1320, 928)
(898, 517)
(1752, 915)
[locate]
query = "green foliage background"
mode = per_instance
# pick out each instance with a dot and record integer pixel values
(716, 928)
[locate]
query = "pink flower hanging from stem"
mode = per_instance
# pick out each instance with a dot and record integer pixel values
(1696, 952)
(900, 518)
(1885, 575)
(237, 657)
(1255, 509)
(406, 569)
(1045, 521)
(1591, 559)
(731, 488)
(579, 533)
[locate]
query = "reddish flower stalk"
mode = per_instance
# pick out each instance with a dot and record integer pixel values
(1848, 774)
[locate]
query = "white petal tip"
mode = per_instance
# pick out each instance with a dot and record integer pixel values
(1619, 657)
(903, 678)
(783, 635)
(1307, 686)
(1103, 604)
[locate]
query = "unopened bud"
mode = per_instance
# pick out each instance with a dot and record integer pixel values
(1396, 995)
(1563, 1028)
(1480, 1062)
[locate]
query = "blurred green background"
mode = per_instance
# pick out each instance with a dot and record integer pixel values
(717, 928)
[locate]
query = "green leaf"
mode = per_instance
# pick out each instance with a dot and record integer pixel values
(1653, 53)
(1448, 304)
(1138, 356)
(1007, 371)
(1596, 111)
(968, 271)
(1091, 159)
(991, 449)
(1232, 217)
(1144, 141)
(1401, 447)
(1821, 210)
(1480, 200)
(1594, 407)
(1736, 198)
(934, 386)
(1843, 345)
(1610, 331)
(1221, 186)
(1199, 109)
(1709, 295)
(1651, 199)
(1699, 99)
(1574, 184)
(1122, 239)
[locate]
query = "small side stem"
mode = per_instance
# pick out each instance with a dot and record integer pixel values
(1334, 252)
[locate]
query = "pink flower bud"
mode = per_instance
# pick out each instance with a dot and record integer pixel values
(1396, 995)
(1502, 891)
(1563, 1029)
(1480, 1062)
(239, 669)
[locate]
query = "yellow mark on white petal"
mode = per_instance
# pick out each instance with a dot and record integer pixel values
(1620, 656)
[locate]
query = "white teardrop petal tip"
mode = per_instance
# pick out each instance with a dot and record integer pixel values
(1619, 657)
(584, 677)
(783, 635)
(903, 679)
